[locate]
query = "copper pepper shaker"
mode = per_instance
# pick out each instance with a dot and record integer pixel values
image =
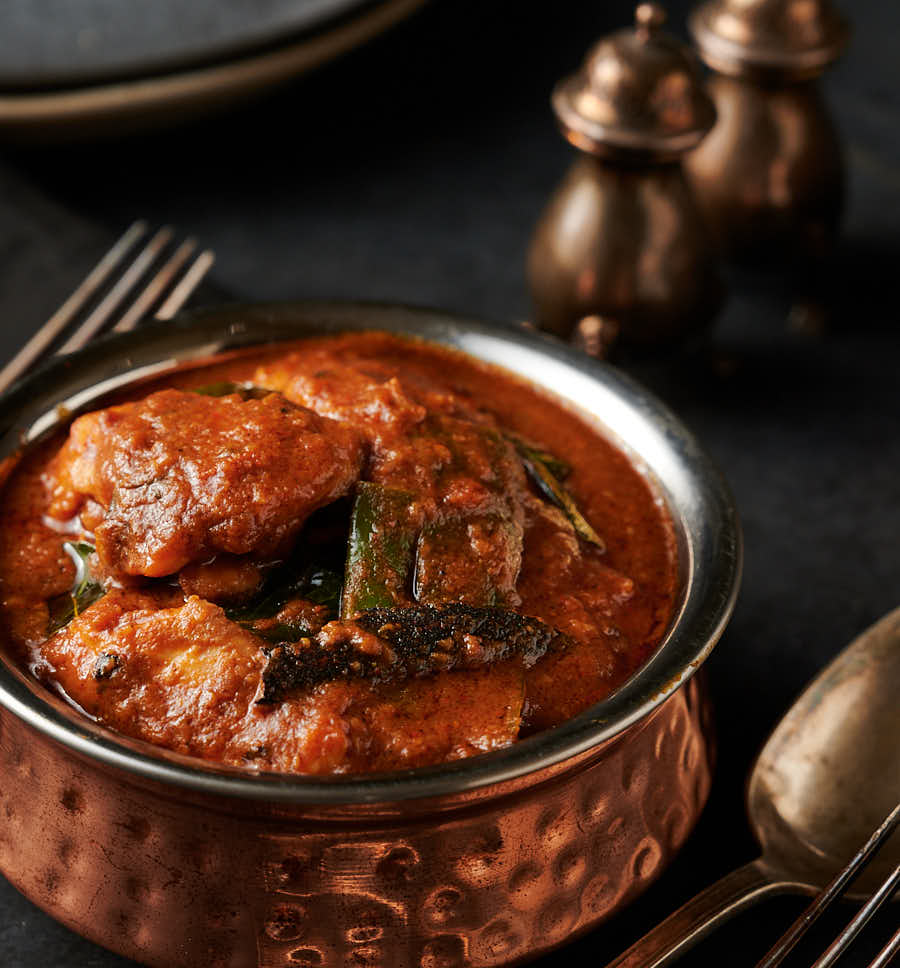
(770, 175)
(621, 253)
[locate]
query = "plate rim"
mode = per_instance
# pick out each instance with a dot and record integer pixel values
(94, 108)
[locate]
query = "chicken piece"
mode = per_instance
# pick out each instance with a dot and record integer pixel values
(225, 580)
(186, 678)
(464, 479)
(178, 477)
(366, 394)
(183, 677)
(447, 717)
(355, 727)
(470, 549)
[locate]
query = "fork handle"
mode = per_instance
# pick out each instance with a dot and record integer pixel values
(711, 907)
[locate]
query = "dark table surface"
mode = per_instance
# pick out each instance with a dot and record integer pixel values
(413, 171)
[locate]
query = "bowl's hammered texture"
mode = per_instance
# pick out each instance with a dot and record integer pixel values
(183, 880)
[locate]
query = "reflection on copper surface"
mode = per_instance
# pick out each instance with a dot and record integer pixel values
(770, 175)
(181, 880)
(626, 245)
(621, 253)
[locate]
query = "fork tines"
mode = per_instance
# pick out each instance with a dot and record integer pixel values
(833, 891)
(147, 278)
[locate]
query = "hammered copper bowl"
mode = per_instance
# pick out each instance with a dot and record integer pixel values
(485, 861)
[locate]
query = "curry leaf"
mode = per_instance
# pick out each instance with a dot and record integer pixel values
(86, 589)
(539, 469)
(286, 582)
(280, 632)
(380, 547)
(247, 391)
(556, 465)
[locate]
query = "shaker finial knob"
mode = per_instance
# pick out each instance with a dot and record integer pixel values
(648, 18)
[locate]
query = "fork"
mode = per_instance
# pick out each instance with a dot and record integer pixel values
(820, 903)
(780, 950)
(142, 284)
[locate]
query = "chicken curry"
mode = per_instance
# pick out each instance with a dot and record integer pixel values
(347, 554)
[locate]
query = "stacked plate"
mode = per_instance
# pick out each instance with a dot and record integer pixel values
(77, 66)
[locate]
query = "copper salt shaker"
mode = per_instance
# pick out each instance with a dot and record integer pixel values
(621, 253)
(770, 176)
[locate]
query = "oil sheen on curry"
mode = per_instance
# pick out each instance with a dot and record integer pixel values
(342, 555)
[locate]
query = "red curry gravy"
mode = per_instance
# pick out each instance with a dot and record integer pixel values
(187, 505)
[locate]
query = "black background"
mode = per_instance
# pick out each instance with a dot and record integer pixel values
(413, 171)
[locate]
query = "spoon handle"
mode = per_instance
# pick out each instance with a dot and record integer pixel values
(694, 920)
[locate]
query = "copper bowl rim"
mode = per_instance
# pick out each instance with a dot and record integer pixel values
(701, 505)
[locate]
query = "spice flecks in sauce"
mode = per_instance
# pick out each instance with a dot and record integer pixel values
(177, 670)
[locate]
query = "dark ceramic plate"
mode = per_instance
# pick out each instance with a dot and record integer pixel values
(68, 43)
(82, 66)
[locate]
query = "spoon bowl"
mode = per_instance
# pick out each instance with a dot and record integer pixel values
(826, 778)
(830, 772)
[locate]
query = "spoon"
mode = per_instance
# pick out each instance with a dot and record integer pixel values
(826, 778)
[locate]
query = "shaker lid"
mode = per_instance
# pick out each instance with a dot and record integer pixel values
(795, 38)
(638, 93)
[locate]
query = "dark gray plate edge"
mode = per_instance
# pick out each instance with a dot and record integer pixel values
(308, 27)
